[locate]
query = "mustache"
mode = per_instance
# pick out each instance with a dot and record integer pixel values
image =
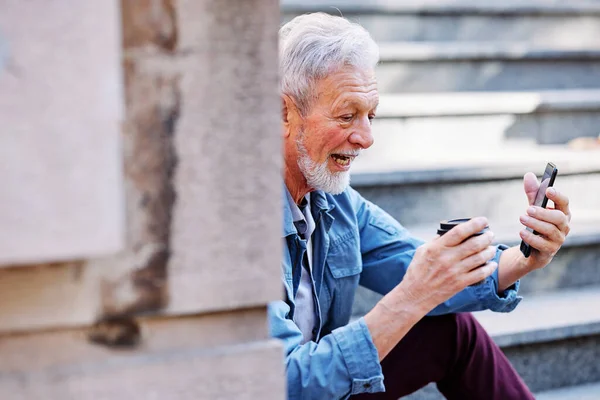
(348, 153)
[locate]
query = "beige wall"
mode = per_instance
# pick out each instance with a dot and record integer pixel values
(157, 284)
(60, 107)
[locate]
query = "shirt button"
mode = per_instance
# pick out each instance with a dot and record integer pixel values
(367, 385)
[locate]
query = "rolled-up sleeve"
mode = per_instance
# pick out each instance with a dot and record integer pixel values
(341, 364)
(487, 292)
(360, 356)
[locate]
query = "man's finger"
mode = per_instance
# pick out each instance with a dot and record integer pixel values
(475, 245)
(481, 273)
(546, 229)
(539, 243)
(531, 186)
(461, 232)
(550, 215)
(477, 259)
(561, 202)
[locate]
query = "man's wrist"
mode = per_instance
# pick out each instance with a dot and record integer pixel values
(523, 264)
(405, 300)
(392, 317)
(512, 266)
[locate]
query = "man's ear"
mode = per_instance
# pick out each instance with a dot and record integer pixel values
(289, 114)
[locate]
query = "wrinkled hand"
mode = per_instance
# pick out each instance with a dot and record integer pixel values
(552, 224)
(448, 264)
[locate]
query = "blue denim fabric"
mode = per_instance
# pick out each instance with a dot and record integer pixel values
(355, 242)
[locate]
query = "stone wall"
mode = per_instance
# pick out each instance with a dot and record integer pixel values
(143, 163)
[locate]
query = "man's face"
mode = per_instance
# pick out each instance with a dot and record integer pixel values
(336, 128)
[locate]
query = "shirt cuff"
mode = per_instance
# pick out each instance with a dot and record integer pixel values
(487, 292)
(361, 357)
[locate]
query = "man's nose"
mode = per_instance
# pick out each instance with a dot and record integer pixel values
(362, 135)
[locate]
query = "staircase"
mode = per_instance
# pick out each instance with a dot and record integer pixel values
(473, 95)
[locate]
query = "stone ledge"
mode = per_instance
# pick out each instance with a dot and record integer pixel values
(447, 7)
(480, 51)
(511, 161)
(485, 103)
(589, 391)
(546, 317)
(226, 372)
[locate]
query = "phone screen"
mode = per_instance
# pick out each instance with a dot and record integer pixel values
(540, 199)
(541, 193)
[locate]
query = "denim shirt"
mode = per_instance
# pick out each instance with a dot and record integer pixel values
(355, 242)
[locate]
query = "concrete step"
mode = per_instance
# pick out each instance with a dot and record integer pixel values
(485, 66)
(553, 340)
(444, 104)
(546, 317)
(549, 117)
(540, 22)
(590, 391)
(417, 185)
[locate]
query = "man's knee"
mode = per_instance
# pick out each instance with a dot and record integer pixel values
(455, 324)
(468, 325)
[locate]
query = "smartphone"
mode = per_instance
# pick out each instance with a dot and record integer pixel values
(541, 200)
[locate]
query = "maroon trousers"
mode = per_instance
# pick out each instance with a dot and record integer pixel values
(456, 353)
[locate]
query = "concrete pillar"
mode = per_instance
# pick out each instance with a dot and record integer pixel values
(158, 287)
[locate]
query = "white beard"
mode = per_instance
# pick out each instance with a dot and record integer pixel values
(317, 175)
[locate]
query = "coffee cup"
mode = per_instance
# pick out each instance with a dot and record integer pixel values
(447, 225)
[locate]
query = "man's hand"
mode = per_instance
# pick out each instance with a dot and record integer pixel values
(439, 270)
(552, 224)
(448, 264)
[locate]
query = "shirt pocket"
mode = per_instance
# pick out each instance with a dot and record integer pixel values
(344, 259)
(344, 265)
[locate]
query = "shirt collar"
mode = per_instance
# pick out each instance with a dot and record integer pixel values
(319, 203)
(294, 209)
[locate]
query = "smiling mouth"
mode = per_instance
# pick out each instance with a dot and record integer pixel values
(342, 160)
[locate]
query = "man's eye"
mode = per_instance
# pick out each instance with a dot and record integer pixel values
(347, 118)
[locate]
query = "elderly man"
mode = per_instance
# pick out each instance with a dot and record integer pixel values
(420, 332)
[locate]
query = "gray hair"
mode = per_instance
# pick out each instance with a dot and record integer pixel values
(314, 45)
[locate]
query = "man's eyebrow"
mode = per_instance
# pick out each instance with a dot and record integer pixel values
(345, 103)
(353, 102)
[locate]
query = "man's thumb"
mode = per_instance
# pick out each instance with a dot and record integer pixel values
(531, 186)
